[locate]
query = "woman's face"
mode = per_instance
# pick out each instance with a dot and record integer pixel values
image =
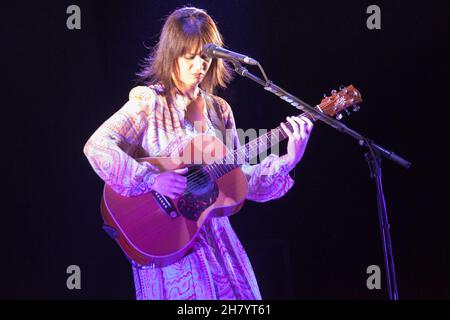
(192, 68)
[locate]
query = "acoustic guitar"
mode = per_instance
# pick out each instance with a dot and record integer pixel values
(154, 230)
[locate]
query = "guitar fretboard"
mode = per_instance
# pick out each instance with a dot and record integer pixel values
(250, 150)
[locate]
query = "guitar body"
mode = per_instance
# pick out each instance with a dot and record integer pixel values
(154, 230)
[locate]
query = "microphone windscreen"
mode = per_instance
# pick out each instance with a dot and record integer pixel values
(208, 50)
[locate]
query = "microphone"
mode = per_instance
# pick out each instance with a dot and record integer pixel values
(212, 51)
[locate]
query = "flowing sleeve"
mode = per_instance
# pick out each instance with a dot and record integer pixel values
(110, 149)
(267, 180)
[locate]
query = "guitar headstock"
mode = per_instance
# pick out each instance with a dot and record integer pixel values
(338, 101)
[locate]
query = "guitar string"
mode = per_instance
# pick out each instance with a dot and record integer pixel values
(195, 176)
(253, 146)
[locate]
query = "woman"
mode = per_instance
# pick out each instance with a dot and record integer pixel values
(154, 122)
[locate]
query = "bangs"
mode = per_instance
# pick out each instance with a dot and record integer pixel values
(191, 44)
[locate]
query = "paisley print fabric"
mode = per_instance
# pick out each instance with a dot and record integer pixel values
(217, 266)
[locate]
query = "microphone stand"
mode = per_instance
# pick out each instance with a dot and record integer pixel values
(373, 158)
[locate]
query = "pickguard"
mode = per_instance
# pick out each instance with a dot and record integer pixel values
(201, 193)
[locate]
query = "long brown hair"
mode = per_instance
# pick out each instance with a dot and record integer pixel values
(184, 29)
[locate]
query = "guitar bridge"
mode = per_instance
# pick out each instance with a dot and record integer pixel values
(165, 204)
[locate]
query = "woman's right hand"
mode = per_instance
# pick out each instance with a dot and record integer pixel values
(171, 183)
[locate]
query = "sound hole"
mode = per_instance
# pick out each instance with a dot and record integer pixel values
(201, 192)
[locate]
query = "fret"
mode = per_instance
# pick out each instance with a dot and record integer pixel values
(245, 153)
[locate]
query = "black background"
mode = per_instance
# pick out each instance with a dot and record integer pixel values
(59, 85)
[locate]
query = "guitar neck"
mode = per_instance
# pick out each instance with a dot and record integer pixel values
(330, 106)
(252, 149)
(267, 140)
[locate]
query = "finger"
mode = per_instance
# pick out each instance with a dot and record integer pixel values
(288, 132)
(177, 191)
(178, 178)
(178, 185)
(302, 123)
(181, 170)
(309, 123)
(173, 194)
(294, 126)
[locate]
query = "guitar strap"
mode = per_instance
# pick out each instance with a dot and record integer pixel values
(215, 114)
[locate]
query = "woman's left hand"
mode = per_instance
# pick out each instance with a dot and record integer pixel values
(298, 139)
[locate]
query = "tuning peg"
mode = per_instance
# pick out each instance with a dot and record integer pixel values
(325, 95)
(341, 87)
(338, 116)
(347, 112)
(333, 91)
(356, 108)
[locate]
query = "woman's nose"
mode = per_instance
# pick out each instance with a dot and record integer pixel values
(200, 63)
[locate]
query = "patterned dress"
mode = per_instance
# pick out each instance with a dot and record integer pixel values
(217, 266)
